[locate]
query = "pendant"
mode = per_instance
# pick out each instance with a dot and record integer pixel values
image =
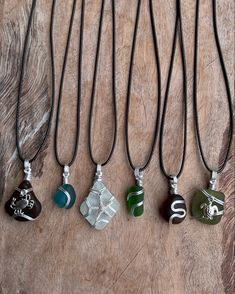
(135, 195)
(65, 195)
(208, 204)
(174, 210)
(100, 205)
(23, 204)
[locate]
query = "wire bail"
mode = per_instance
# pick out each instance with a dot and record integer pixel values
(27, 171)
(139, 176)
(98, 174)
(66, 175)
(213, 180)
(173, 185)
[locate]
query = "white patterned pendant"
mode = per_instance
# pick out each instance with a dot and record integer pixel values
(100, 206)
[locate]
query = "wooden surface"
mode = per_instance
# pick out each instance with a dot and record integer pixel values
(60, 253)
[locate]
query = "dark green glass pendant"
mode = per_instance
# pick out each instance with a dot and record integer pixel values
(208, 206)
(65, 196)
(135, 195)
(135, 200)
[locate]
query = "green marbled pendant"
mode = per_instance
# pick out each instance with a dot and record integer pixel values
(65, 196)
(135, 200)
(208, 206)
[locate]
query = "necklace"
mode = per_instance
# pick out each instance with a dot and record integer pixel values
(100, 205)
(208, 204)
(135, 194)
(175, 208)
(23, 205)
(65, 195)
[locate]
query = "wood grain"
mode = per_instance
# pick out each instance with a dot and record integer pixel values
(60, 253)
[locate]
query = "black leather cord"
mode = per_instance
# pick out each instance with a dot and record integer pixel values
(60, 95)
(20, 89)
(155, 43)
(229, 99)
(113, 83)
(177, 30)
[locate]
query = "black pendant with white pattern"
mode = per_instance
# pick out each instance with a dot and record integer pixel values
(174, 210)
(23, 204)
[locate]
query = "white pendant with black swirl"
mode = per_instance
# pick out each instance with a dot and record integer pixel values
(175, 209)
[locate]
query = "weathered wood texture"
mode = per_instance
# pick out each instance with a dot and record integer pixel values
(60, 253)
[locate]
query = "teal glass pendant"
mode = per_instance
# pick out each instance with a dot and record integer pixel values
(208, 204)
(135, 196)
(65, 195)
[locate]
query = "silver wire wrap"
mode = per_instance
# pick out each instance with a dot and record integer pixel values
(173, 185)
(139, 177)
(27, 171)
(213, 180)
(66, 175)
(98, 174)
